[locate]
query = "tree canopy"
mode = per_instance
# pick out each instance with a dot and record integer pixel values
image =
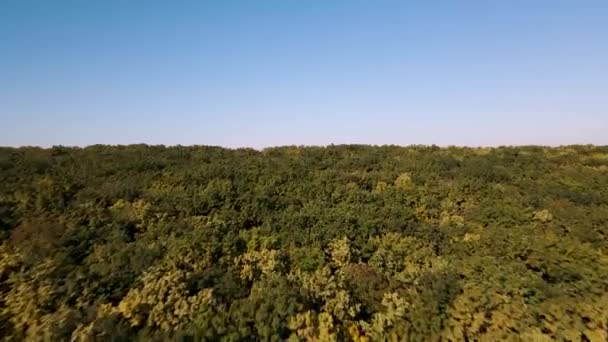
(336, 243)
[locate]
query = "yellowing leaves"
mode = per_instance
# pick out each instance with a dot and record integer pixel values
(340, 252)
(447, 219)
(163, 300)
(543, 216)
(404, 181)
(264, 262)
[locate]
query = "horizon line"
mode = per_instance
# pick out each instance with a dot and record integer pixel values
(441, 146)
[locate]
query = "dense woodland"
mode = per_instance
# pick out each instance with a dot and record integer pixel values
(337, 243)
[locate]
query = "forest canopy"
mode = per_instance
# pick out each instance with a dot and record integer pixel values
(336, 243)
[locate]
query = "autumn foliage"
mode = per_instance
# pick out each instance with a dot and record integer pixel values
(337, 243)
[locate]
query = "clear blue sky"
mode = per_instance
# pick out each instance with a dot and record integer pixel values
(263, 73)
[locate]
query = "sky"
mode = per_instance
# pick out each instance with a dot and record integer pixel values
(310, 72)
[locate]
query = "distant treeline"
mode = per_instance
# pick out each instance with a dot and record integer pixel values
(337, 243)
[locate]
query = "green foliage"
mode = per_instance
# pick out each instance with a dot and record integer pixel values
(336, 243)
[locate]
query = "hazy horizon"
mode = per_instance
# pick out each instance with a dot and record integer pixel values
(262, 148)
(273, 73)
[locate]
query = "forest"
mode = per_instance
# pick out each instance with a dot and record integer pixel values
(333, 243)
